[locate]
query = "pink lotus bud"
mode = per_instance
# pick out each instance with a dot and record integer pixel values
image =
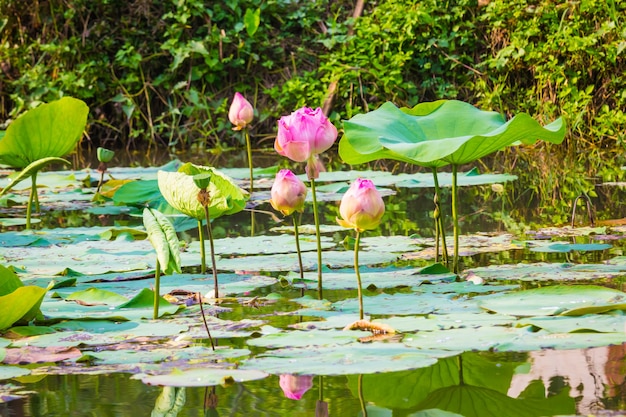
(304, 133)
(361, 207)
(288, 193)
(241, 112)
(294, 386)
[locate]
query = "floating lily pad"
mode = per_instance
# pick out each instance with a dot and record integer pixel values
(203, 377)
(407, 304)
(8, 372)
(353, 358)
(346, 279)
(550, 271)
(553, 300)
(298, 338)
(602, 323)
(569, 247)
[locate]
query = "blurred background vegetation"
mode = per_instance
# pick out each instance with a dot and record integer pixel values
(162, 73)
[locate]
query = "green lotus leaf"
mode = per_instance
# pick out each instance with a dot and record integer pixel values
(471, 401)
(9, 282)
(438, 134)
(203, 377)
(8, 372)
(181, 192)
(567, 300)
(50, 130)
(345, 359)
(21, 304)
(162, 235)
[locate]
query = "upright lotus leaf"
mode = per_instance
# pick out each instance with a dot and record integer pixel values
(180, 191)
(162, 235)
(50, 130)
(20, 305)
(9, 282)
(438, 134)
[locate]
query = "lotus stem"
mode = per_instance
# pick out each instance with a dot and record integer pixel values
(34, 187)
(439, 229)
(29, 206)
(297, 236)
(212, 247)
(206, 325)
(157, 289)
(249, 149)
(318, 238)
(455, 219)
(202, 248)
(361, 399)
(358, 274)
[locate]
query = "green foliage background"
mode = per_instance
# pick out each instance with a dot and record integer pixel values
(163, 72)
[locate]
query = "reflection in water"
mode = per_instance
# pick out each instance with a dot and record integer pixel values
(294, 386)
(591, 373)
(169, 402)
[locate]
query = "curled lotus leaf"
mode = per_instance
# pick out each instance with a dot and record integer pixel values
(438, 133)
(181, 192)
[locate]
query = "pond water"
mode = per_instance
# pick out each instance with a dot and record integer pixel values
(462, 348)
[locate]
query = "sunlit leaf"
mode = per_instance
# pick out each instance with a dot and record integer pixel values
(437, 134)
(354, 358)
(554, 300)
(180, 191)
(50, 130)
(204, 377)
(163, 237)
(299, 338)
(21, 304)
(145, 300)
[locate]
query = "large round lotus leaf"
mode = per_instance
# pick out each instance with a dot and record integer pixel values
(542, 271)
(557, 247)
(602, 323)
(7, 372)
(405, 304)
(299, 338)
(346, 279)
(554, 300)
(203, 377)
(463, 339)
(289, 262)
(437, 134)
(527, 342)
(353, 358)
(184, 357)
(259, 245)
(180, 191)
(50, 130)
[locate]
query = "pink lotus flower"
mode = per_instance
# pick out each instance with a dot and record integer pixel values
(288, 193)
(304, 133)
(294, 386)
(361, 206)
(241, 112)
